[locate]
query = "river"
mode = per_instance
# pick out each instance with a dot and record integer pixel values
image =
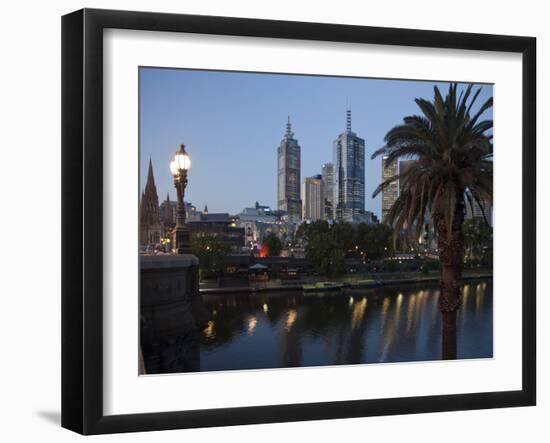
(389, 324)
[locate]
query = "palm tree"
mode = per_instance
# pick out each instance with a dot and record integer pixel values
(454, 167)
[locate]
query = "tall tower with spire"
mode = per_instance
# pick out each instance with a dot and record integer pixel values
(150, 230)
(349, 173)
(288, 175)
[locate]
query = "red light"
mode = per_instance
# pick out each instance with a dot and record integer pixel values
(263, 251)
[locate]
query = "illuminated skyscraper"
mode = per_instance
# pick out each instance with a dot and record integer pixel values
(349, 173)
(288, 175)
(389, 194)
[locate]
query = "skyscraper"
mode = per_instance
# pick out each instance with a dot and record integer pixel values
(150, 230)
(327, 173)
(312, 198)
(349, 173)
(288, 175)
(389, 194)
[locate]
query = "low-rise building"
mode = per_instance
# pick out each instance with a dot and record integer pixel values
(220, 226)
(367, 217)
(259, 221)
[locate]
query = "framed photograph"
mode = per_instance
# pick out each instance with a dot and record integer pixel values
(268, 221)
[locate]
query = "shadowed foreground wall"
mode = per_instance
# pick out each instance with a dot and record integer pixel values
(172, 313)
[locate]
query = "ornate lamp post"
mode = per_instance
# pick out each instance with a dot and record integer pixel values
(179, 167)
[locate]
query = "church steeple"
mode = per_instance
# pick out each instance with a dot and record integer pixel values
(150, 184)
(205, 209)
(149, 217)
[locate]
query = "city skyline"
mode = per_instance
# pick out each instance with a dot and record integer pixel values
(232, 124)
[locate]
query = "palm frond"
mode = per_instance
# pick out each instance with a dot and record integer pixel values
(453, 153)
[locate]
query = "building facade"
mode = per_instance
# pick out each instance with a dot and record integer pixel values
(349, 173)
(288, 175)
(168, 214)
(150, 229)
(313, 198)
(191, 212)
(367, 217)
(478, 212)
(327, 173)
(220, 226)
(259, 221)
(389, 194)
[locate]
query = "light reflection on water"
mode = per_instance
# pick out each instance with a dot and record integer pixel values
(392, 324)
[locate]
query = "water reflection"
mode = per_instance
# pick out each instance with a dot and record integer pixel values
(210, 331)
(358, 313)
(402, 323)
(290, 319)
(252, 322)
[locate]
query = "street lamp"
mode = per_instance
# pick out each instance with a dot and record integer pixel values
(179, 167)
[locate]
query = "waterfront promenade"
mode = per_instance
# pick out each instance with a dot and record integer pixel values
(350, 282)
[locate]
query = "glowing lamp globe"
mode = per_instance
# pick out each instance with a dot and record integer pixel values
(181, 162)
(174, 168)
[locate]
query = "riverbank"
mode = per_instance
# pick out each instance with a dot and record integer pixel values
(355, 283)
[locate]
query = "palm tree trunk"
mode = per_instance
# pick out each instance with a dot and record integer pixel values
(451, 253)
(449, 302)
(448, 335)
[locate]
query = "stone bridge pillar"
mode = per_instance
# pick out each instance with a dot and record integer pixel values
(172, 313)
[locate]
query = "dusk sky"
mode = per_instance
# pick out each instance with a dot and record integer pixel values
(232, 123)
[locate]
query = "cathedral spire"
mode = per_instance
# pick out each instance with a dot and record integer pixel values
(205, 209)
(150, 177)
(149, 217)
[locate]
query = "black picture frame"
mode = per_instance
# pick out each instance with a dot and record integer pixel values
(82, 190)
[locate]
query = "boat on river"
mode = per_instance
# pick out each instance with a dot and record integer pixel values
(323, 286)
